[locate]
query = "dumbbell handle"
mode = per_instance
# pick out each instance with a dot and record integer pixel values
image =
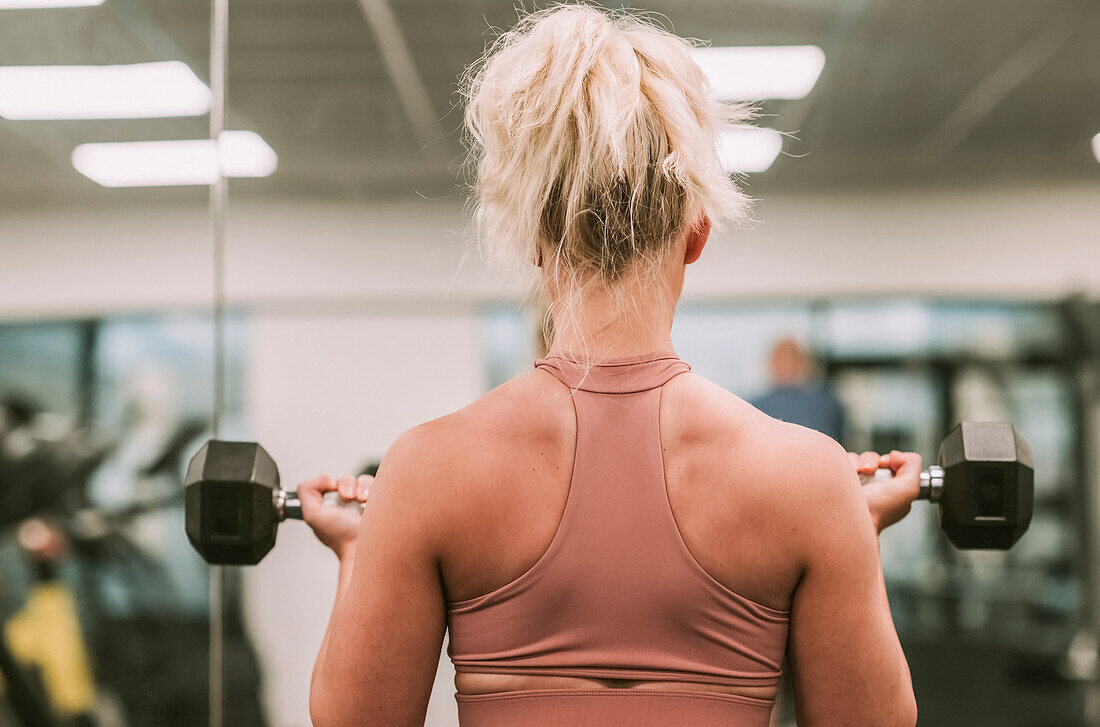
(931, 484)
(288, 506)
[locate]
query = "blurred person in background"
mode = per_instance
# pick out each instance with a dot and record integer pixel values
(795, 397)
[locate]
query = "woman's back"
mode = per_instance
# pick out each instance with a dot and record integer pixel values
(632, 528)
(725, 480)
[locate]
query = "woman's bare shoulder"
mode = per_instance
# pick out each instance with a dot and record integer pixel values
(481, 443)
(745, 447)
(477, 472)
(495, 414)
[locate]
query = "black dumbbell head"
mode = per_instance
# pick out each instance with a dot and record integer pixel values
(230, 517)
(989, 488)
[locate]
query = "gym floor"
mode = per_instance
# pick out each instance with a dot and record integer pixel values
(926, 233)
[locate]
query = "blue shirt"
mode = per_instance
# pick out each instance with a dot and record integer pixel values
(809, 405)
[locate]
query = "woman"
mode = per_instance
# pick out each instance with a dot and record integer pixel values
(611, 539)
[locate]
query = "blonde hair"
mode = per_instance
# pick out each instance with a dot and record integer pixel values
(593, 140)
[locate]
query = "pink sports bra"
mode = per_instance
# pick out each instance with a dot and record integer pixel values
(617, 594)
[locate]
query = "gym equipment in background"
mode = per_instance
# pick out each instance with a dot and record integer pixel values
(233, 502)
(983, 484)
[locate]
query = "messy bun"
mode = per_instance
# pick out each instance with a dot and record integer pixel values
(593, 142)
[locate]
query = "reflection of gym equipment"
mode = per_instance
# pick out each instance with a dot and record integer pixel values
(45, 669)
(45, 662)
(234, 503)
(23, 692)
(45, 633)
(983, 485)
(47, 476)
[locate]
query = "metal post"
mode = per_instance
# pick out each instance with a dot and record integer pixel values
(219, 51)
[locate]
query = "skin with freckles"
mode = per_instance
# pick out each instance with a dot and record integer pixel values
(466, 503)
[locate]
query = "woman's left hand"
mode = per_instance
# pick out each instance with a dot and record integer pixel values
(336, 527)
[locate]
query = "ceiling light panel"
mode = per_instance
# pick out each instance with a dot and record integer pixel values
(39, 4)
(175, 163)
(759, 73)
(134, 91)
(749, 149)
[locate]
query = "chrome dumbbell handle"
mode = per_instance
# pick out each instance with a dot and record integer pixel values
(931, 484)
(288, 506)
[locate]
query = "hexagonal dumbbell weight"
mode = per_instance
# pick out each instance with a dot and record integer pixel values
(234, 503)
(984, 485)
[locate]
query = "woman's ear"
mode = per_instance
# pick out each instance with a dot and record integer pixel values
(697, 239)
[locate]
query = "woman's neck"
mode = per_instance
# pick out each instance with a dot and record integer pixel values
(635, 319)
(594, 334)
(603, 349)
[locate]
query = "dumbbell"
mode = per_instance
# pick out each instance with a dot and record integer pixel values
(234, 504)
(983, 484)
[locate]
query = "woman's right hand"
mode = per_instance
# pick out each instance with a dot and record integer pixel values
(888, 498)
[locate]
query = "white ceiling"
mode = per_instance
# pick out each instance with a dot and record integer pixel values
(915, 93)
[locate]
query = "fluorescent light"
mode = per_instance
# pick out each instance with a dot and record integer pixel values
(135, 91)
(757, 73)
(148, 163)
(1096, 147)
(178, 162)
(246, 154)
(35, 4)
(749, 149)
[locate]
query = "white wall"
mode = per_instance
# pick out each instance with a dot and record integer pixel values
(328, 393)
(1013, 243)
(1018, 242)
